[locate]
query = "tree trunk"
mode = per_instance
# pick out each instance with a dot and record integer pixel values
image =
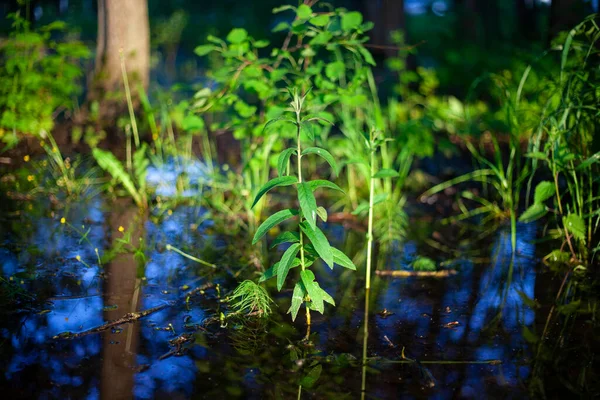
(527, 14)
(565, 14)
(388, 16)
(122, 27)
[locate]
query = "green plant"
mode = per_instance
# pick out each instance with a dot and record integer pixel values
(39, 78)
(374, 141)
(251, 299)
(567, 144)
(133, 181)
(308, 241)
(322, 46)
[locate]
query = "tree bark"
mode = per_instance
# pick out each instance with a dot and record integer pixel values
(565, 14)
(388, 16)
(527, 14)
(122, 27)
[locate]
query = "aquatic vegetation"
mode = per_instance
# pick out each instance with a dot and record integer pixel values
(309, 240)
(251, 299)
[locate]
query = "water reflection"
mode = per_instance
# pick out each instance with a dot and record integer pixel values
(429, 320)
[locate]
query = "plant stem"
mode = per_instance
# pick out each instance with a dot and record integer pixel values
(186, 255)
(129, 102)
(299, 151)
(370, 229)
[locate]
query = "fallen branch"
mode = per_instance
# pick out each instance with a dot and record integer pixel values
(419, 274)
(125, 319)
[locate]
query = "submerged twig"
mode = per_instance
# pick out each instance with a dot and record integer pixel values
(125, 319)
(419, 274)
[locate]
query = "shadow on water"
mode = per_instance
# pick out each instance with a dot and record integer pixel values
(459, 336)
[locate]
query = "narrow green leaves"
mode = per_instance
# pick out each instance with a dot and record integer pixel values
(283, 159)
(308, 204)
(280, 181)
(286, 237)
(318, 183)
(322, 213)
(341, 259)
(324, 154)
(297, 299)
(272, 272)
(286, 263)
(317, 295)
(320, 243)
(272, 221)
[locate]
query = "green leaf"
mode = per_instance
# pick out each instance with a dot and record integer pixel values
(589, 162)
(386, 173)
(342, 260)
(543, 191)
(204, 49)
(534, 212)
(237, 35)
(334, 70)
(286, 237)
(318, 183)
(537, 155)
(304, 11)
(319, 241)
(320, 20)
(280, 181)
(351, 20)
(569, 308)
(323, 153)
(286, 263)
(297, 299)
(362, 207)
(366, 54)
(259, 44)
(272, 221)
(311, 378)
(277, 10)
(316, 297)
(281, 26)
(574, 224)
(272, 272)
(283, 160)
(308, 204)
(321, 39)
(111, 164)
(322, 213)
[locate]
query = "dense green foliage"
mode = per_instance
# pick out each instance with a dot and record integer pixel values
(39, 78)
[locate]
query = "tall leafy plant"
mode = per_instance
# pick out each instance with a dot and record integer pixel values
(307, 243)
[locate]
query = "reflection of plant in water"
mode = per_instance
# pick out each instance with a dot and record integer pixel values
(315, 245)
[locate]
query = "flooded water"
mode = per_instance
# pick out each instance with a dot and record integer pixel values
(426, 337)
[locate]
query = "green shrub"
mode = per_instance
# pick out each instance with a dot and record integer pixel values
(39, 78)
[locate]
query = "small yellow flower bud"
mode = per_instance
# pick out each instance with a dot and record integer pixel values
(63, 220)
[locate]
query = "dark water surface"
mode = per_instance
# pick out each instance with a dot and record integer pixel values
(427, 338)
